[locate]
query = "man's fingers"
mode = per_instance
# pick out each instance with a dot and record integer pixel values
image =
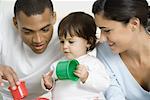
(11, 80)
(7, 73)
(10, 75)
(1, 83)
(14, 75)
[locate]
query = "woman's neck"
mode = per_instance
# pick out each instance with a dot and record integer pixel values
(137, 61)
(140, 49)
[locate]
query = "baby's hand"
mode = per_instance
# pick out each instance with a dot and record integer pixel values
(82, 73)
(47, 78)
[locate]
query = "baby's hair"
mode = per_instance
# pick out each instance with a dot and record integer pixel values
(79, 24)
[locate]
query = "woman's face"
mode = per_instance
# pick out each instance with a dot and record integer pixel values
(118, 36)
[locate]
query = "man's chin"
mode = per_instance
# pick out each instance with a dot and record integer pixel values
(39, 51)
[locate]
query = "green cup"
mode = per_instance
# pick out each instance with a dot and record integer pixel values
(65, 70)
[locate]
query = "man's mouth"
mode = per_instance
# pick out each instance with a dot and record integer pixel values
(39, 46)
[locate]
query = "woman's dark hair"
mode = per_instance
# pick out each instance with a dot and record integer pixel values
(124, 10)
(98, 6)
(79, 24)
(32, 7)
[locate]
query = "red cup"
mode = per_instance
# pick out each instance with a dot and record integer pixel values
(20, 92)
(41, 98)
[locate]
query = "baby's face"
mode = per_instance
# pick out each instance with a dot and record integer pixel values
(73, 47)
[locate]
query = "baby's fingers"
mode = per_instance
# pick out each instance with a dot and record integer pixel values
(47, 81)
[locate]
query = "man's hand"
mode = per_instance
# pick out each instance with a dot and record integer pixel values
(7, 73)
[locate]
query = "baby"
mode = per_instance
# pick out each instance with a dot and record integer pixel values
(77, 35)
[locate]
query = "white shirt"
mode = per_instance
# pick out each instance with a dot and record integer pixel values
(96, 83)
(28, 65)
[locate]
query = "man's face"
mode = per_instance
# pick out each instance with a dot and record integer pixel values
(36, 30)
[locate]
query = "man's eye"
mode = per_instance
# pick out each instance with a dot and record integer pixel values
(27, 32)
(45, 29)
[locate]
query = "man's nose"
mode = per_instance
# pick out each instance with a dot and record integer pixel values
(36, 38)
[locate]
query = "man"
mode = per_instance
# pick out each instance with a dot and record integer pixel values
(28, 53)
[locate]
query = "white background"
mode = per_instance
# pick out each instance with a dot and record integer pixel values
(64, 7)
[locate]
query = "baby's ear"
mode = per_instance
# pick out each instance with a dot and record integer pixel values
(88, 46)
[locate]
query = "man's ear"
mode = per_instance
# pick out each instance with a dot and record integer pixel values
(53, 21)
(15, 22)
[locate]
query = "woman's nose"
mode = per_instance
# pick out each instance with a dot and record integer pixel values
(103, 38)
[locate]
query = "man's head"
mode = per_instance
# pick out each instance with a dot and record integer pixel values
(34, 20)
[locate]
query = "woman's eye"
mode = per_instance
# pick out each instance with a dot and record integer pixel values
(107, 31)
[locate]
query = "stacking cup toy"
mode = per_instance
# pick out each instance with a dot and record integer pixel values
(20, 92)
(65, 70)
(41, 98)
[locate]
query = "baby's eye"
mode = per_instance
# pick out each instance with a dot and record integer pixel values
(61, 41)
(71, 42)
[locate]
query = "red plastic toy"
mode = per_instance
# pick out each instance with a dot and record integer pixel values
(41, 99)
(20, 92)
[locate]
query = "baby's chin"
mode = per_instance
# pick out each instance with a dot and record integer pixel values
(70, 58)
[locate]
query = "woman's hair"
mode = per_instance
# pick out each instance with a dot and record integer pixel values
(123, 10)
(79, 24)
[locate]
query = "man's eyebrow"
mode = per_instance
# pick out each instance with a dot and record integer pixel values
(45, 26)
(27, 29)
(24, 28)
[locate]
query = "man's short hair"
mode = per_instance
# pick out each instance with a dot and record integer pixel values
(32, 7)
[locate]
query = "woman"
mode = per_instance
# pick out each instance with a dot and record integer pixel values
(126, 54)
